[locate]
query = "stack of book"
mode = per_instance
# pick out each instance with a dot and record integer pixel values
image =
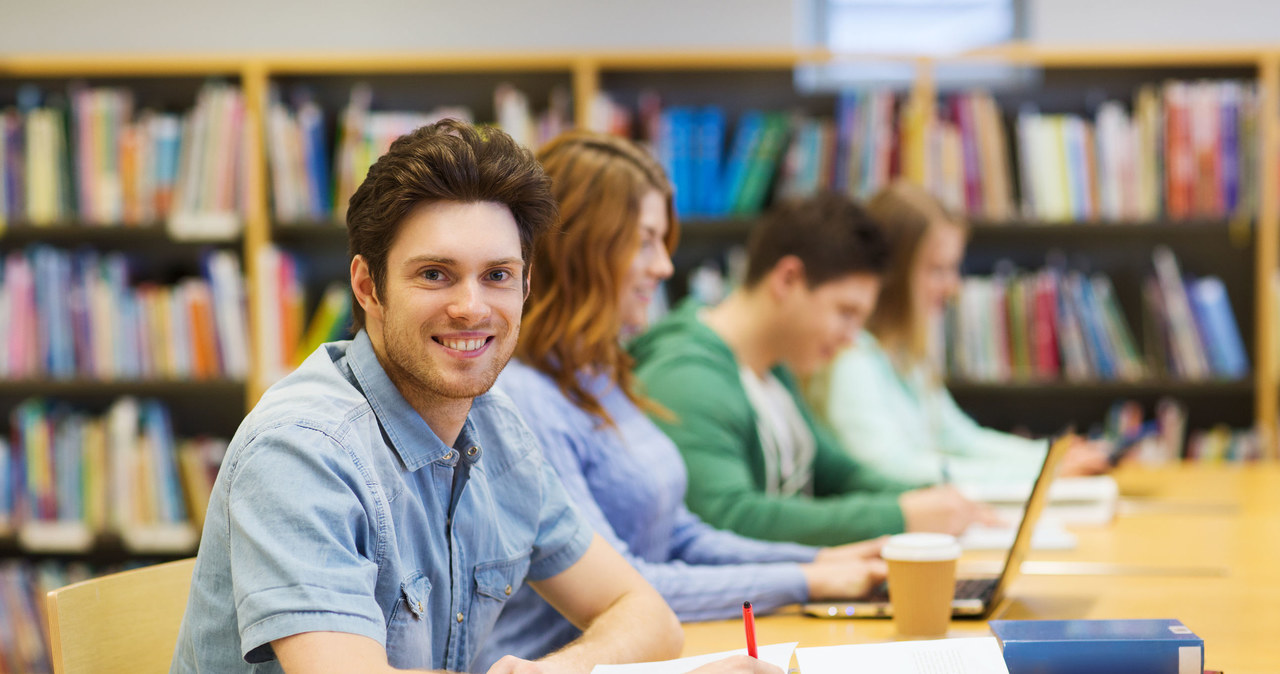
(297, 151)
(79, 314)
(24, 645)
(73, 475)
(721, 172)
(1040, 326)
(1194, 334)
(126, 165)
(98, 161)
(968, 166)
(285, 338)
(1185, 151)
(209, 197)
(35, 172)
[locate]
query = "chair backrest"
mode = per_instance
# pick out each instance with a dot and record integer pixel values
(124, 622)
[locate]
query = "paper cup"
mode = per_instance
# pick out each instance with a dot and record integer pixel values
(922, 582)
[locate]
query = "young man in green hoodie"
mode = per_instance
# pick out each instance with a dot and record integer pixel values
(758, 463)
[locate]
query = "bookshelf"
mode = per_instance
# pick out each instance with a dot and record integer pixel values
(1243, 251)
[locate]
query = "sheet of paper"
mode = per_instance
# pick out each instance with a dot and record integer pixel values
(979, 655)
(1048, 535)
(775, 654)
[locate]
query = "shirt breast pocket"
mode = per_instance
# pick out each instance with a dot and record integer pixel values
(496, 581)
(409, 631)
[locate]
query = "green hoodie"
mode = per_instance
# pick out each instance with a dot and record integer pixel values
(687, 368)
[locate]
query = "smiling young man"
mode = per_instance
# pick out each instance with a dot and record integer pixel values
(378, 506)
(758, 463)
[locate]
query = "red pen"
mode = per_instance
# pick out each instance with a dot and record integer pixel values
(749, 621)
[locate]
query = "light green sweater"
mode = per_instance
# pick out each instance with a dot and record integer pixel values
(685, 366)
(904, 427)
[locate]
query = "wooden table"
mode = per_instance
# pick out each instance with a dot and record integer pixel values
(1196, 543)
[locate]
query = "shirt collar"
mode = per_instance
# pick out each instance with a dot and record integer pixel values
(409, 435)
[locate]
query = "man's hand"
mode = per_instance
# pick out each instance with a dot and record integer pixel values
(1085, 457)
(622, 618)
(860, 551)
(943, 509)
(736, 664)
(510, 664)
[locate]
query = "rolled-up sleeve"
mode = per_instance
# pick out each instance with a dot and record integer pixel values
(298, 556)
(563, 534)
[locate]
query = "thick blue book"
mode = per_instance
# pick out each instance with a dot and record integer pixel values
(1099, 646)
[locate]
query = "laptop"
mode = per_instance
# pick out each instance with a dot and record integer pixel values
(976, 597)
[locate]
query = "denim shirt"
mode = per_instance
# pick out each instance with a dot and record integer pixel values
(332, 512)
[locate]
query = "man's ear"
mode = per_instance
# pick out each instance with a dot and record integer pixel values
(362, 286)
(786, 276)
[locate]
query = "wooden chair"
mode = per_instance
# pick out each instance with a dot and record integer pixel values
(124, 622)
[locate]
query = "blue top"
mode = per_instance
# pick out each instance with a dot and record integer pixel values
(910, 431)
(331, 513)
(629, 482)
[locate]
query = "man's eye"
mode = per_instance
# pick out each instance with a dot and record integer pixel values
(432, 275)
(499, 275)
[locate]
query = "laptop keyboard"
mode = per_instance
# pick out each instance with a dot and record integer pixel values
(966, 588)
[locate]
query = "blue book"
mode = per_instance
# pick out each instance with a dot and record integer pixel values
(1229, 118)
(747, 137)
(316, 152)
(1099, 646)
(682, 122)
(708, 150)
(1218, 330)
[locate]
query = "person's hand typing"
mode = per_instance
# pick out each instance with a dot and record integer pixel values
(862, 550)
(845, 579)
(943, 509)
(1085, 457)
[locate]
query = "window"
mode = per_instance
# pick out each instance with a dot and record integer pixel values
(908, 27)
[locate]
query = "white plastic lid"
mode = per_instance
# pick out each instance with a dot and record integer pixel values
(921, 548)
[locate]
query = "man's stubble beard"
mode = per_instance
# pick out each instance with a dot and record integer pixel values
(416, 373)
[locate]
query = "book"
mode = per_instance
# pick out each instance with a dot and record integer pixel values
(1099, 646)
(974, 655)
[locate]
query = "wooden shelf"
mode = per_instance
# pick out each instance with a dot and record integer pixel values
(1173, 387)
(106, 549)
(1238, 233)
(70, 388)
(152, 234)
(315, 234)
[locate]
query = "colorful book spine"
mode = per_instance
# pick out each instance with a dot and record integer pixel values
(1039, 326)
(78, 315)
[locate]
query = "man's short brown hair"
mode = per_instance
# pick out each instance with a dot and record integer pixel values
(831, 234)
(445, 161)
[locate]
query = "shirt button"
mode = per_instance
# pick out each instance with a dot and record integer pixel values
(448, 455)
(508, 590)
(459, 616)
(419, 607)
(472, 451)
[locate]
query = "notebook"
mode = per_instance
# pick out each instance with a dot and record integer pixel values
(976, 597)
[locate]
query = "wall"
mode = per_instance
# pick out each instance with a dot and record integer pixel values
(1137, 22)
(28, 26)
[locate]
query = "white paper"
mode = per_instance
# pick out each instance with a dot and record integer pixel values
(778, 655)
(1072, 500)
(1048, 535)
(979, 655)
